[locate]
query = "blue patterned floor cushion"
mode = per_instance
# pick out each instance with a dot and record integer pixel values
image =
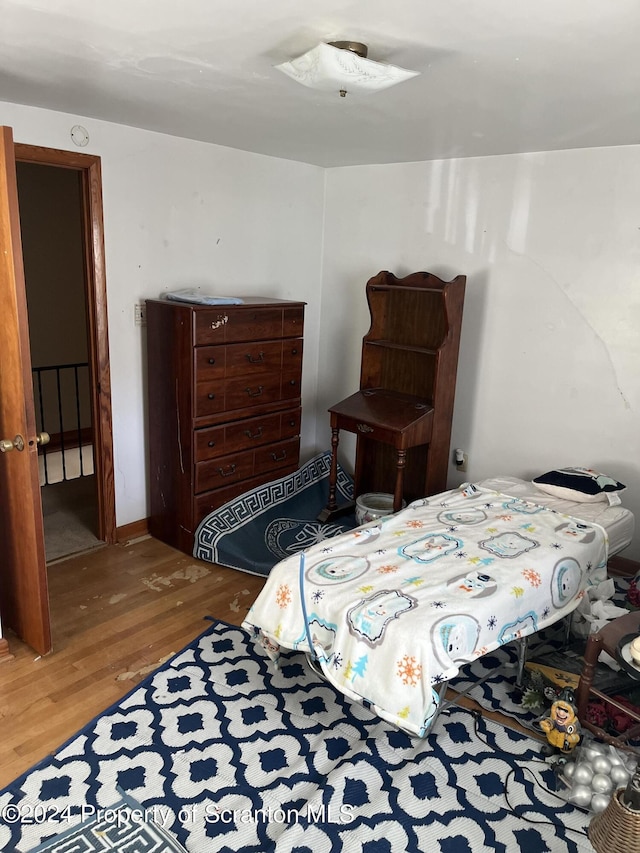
(259, 528)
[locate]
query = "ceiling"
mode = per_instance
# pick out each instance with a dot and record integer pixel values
(496, 76)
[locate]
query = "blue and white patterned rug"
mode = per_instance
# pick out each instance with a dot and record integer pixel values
(259, 528)
(224, 753)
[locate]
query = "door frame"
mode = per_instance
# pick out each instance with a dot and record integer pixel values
(89, 167)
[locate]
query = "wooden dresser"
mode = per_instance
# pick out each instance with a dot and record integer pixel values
(224, 406)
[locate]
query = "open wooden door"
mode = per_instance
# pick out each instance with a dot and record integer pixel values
(24, 599)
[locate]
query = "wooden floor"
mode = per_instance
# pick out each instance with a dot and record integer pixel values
(117, 613)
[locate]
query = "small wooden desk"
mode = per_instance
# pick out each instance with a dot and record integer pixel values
(380, 415)
(606, 640)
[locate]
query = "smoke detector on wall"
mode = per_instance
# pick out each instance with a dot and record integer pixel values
(79, 136)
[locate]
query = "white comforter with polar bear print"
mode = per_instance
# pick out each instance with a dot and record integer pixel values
(395, 607)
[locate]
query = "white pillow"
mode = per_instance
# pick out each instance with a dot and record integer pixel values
(583, 485)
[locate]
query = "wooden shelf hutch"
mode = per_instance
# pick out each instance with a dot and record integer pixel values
(403, 411)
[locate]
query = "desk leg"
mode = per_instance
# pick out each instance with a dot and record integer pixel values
(333, 473)
(591, 655)
(401, 461)
(332, 505)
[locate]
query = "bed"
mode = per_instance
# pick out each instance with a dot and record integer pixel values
(390, 611)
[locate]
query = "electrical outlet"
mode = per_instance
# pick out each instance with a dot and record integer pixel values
(140, 314)
(460, 459)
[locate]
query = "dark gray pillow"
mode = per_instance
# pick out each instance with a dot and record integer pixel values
(583, 485)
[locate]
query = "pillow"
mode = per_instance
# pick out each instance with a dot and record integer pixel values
(583, 485)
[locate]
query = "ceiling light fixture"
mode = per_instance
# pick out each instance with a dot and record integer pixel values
(343, 66)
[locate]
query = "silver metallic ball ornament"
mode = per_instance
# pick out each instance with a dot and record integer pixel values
(581, 796)
(593, 750)
(599, 802)
(601, 784)
(601, 764)
(619, 775)
(583, 774)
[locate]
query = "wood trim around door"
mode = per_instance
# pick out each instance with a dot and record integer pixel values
(96, 292)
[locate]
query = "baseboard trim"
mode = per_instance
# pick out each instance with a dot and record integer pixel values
(622, 567)
(5, 653)
(132, 531)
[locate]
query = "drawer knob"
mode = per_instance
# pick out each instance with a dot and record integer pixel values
(211, 443)
(292, 382)
(294, 352)
(255, 434)
(280, 458)
(212, 361)
(364, 428)
(211, 396)
(254, 360)
(228, 472)
(255, 393)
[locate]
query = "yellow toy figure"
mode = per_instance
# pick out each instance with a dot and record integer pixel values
(562, 726)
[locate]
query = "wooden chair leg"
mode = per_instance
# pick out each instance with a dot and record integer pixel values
(401, 461)
(333, 473)
(591, 655)
(332, 505)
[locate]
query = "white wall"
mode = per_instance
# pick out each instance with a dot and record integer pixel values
(550, 243)
(550, 353)
(181, 213)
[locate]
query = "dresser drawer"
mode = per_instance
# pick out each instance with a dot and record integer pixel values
(240, 435)
(210, 363)
(290, 386)
(292, 356)
(290, 423)
(246, 359)
(209, 398)
(227, 325)
(231, 395)
(276, 456)
(255, 432)
(293, 322)
(225, 470)
(209, 443)
(206, 502)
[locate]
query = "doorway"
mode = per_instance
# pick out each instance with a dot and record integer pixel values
(60, 206)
